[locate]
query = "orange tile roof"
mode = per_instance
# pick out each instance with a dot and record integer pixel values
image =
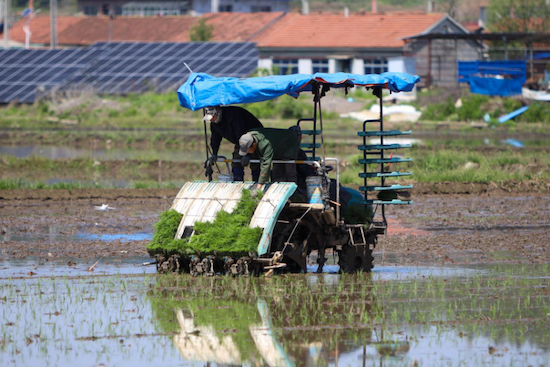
(83, 31)
(380, 30)
(471, 26)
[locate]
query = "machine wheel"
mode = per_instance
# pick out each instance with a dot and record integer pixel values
(170, 265)
(354, 258)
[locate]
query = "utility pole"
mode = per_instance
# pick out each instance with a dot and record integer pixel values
(111, 19)
(53, 24)
(6, 24)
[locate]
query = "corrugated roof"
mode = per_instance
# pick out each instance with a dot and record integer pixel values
(380, 30)
(235, 27)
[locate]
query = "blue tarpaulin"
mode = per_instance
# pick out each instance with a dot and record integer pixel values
(203, 90)
(515, 69)
(494, 86)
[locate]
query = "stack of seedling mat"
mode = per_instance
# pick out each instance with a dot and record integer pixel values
(213, 225)
(228, 234)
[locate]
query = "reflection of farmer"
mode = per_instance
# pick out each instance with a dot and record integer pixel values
(231, 123)
(272, 144)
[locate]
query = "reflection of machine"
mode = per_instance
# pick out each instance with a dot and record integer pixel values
(266, 340)
(239, 328)
(332, 217)
(204, 344)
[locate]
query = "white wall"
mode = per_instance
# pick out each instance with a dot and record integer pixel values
(358, 66)
(401, 64)
(305, 66)
(265, 64)
(331, 66)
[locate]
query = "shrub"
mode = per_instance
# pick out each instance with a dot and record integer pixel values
(439, 111)
(537, 112)
(113, 113)
(201, 32)
(471, 108)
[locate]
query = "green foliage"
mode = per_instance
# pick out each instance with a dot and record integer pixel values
(114, 113)
(441, 162)
(201, 32)
(286, 107)
(130, 112)
(439, 111)
(229, 233)
(471, 107)
(22, 184)
(537, 112)
(523, 16)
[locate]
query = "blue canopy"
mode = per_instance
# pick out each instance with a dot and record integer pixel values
(203, 90)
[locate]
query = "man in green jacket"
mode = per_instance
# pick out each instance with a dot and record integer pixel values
(271, 144)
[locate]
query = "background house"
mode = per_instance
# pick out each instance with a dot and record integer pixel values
(358, 43)
(361, 43)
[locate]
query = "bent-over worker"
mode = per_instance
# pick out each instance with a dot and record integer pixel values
(272, 144)
(231, 123)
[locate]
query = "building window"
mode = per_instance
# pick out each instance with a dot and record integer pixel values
(225, 8)
(118, 10)
(153, 8)
(285, 66)
(376, 66)
(90, 10)
(260, 9)
(319, 66)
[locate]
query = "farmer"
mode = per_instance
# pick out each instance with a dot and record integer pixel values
(230, 123)
(269, 145)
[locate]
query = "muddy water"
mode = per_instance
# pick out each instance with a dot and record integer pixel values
(53, 311)
(490, 315)
(69, 152)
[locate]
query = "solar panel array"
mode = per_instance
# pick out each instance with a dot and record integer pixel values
(24, 72)
(119, 68)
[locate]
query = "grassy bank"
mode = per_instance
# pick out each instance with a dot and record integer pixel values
(464, 165)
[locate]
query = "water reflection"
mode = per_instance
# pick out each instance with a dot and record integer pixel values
(497, 316)
(67, 152)
(240, 326)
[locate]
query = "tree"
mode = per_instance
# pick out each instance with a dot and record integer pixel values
(201, 32)
(520, 16)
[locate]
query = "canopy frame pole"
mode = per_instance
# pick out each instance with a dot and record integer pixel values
(315, 91)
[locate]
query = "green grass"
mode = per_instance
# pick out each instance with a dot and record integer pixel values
(17, 184)
(474, 107)
(463, 165)
(22, 184)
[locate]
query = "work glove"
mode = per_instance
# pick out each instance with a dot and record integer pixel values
(211, 160)
(254, 192)
(209, 171)
(208, 166)
(245, 161)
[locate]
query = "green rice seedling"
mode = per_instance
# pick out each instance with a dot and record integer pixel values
(229, 233)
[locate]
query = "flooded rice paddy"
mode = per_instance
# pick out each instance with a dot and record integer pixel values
(396, 316)
(458, 280)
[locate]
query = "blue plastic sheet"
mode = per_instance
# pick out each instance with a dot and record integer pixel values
(494, 86)
(515, 69)
(513, 114)
(203, 90)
